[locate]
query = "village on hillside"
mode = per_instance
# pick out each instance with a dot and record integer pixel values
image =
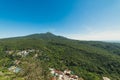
(66, 75)
(55, 74)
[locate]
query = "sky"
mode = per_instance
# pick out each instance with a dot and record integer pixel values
(75, 19)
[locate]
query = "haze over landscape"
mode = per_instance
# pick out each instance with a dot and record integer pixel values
(59, 40)
(75, 19)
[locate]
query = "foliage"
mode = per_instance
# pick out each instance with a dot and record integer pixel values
(88, 59)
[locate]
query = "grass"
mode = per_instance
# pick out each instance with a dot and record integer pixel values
(7, 75)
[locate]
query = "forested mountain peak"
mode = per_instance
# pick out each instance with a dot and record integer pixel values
(90, 60)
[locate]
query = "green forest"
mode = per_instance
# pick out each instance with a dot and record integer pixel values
(90, 60)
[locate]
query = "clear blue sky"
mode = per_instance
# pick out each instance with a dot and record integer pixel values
(76, 19)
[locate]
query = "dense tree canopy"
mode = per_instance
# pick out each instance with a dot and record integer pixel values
(88, 59)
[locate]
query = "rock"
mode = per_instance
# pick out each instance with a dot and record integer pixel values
(106, 78)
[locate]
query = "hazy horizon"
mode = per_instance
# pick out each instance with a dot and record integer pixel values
(111, 41)
(96, 20)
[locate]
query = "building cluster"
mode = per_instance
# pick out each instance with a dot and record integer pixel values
(65, 75)
(14, 69)
(22, 53)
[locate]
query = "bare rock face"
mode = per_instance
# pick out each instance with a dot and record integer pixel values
(106, 78)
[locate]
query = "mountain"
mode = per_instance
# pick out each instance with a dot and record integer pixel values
(90, 60)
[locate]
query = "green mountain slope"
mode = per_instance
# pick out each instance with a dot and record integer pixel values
(89, 59)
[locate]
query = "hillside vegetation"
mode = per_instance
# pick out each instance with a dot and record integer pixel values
(90, 60)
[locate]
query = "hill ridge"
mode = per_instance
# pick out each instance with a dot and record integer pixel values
(89, 59)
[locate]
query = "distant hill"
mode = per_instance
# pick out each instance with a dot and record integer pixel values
(88, 59)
